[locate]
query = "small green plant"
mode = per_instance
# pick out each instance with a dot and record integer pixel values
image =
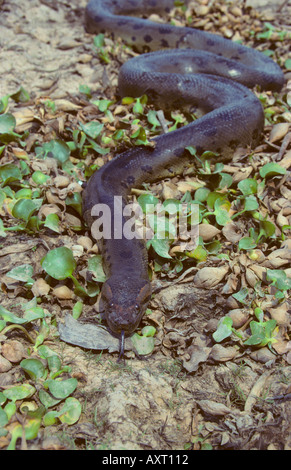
(47, 387)
(144, 343)
(100, 49)
(263, 333)
(60, 264)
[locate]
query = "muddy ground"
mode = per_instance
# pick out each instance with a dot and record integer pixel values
(191, 392)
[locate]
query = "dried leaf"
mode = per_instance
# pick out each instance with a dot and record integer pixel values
(210, 277)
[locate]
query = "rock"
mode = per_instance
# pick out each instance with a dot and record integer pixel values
(13, 350)
(63, 293)
(5, 365)
(220, 353)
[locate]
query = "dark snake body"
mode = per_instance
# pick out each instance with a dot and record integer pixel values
(185, 75)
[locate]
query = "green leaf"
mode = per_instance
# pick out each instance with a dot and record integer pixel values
(9, 173)
(75, 201)
(71, 411)
(23, 273)
(7, 123)
(33, 367)
(143, 344)
(251, 203)
(19, 392)
(50, 418)
(272, 169)
(10, 317)
(77, 310)
(4, 103)
(10, 409)
(246, 243)
(221, 211)
(241, 295)
(21, 96)
(161, 247)
(148, 331)
(201, 194)
(279, 279)
(59, 263)
(47, 400)
(248, 186)
(199, 253)
(33, 313)
(96, 267)
(57, 149)
(61, 388)
(152, 119)
(29, 429)
(39, 177)
(24, 208)
(225, 180)
(3, 418)
(24, 193)
(224, 329)
(267, 228)
(147, 202)
(54, 363)
(52, 222)
(92, 129)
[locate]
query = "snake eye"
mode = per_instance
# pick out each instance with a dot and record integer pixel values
(136, 307)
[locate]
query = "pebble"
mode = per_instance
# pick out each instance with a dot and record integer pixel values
(5, 365)
(63, 293)
(221, 354)
(13, 350)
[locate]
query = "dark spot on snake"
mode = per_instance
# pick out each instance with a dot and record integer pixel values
(126, 254)
(235, 57)
(147, 168)
(210, 42)
(122, 22)
(178, 152)
(130, 179)
(124, 185)
(164, 43)
(138, 26)
(165, 30)
(133, 38)
(210, 132)
(148, 38)
(97, 19)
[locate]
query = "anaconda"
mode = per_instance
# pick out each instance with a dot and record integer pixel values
(189, 68)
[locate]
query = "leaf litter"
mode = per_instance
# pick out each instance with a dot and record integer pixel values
(57, 127)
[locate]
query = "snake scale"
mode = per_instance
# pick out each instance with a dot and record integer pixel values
(188, 68)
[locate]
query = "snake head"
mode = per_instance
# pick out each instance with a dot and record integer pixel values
(124, 302)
